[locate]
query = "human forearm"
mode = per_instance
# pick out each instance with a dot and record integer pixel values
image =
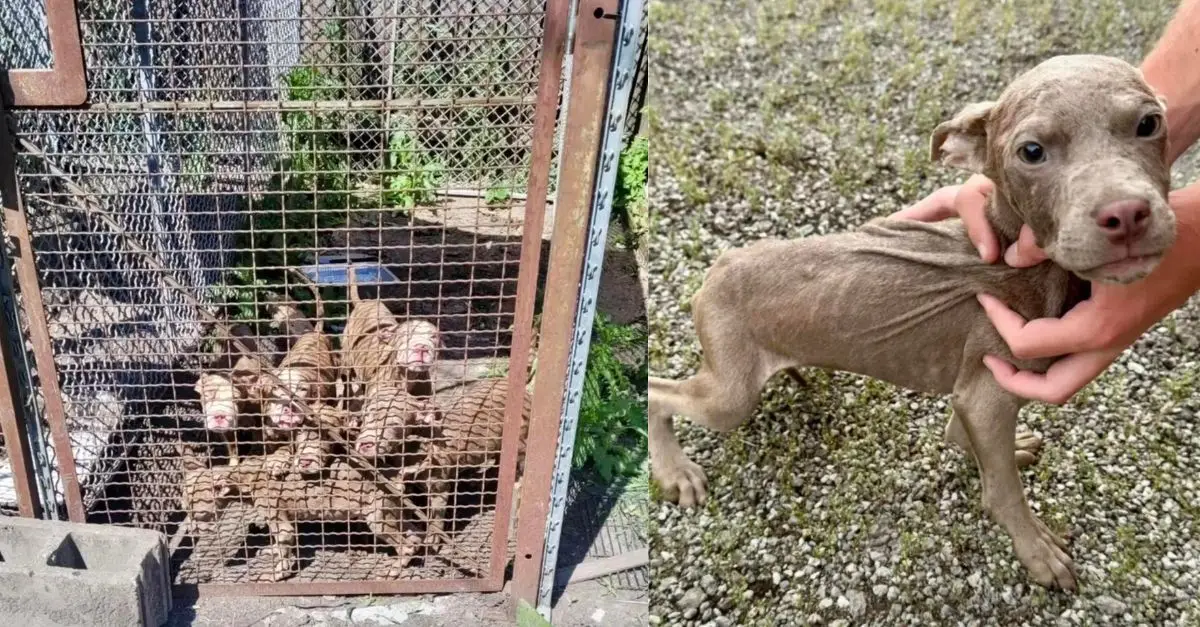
(1173, 68)
(1178, 276)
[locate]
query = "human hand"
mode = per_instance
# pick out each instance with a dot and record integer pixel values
(969, 202)
(1095, 332)
(1090, 336)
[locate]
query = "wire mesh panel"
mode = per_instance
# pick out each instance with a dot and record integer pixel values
(279, 259)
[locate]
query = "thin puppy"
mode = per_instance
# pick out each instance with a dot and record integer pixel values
(390, 417)
(229, 399)
(1077, 150)
(308, 371)
(468, 440)
(340, 494)
(374, 338)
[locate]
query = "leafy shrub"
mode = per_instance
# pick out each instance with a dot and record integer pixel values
(629, 198)
(611, 436)
(411, 176)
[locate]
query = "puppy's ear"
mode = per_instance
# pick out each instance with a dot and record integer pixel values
(962, 141)
(223, 485)
(387, 333)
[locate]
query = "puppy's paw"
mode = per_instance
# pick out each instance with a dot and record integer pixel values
(1028, 445)
(284, 567)
(1044, 555)
(682, 481)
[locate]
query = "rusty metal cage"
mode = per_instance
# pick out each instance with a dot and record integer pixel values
(193, 231)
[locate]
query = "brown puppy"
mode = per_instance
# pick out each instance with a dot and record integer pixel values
(340, 494)
(468, 440)
(229, 400)
(1076, 147)
(390, 415)
(373, 338)
(308, 371)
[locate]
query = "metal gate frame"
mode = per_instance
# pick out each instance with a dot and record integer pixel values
(566, 325)
(64, 85)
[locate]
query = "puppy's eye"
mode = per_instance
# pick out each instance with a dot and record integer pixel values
(1149, 125)
(1031, 152)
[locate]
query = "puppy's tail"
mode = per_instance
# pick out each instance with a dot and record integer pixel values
(318, 305)
(352, 274)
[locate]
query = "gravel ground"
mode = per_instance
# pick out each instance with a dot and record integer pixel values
(840, 504)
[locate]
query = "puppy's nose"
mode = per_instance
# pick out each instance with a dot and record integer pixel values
(1125, 220)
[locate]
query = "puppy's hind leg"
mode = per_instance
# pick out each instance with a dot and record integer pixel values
(720, 398)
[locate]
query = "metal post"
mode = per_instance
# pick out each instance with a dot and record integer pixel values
(619, 86)
(18, 424)
(594, 40)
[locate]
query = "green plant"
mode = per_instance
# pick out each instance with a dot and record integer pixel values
(611, 437)
(309, 194)
(498, 192)
(237, 294)
(527, 616)
(411, 175)
(629, 198)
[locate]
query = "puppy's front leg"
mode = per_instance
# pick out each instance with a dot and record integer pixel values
(989, 415)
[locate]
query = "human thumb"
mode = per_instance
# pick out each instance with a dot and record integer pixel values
(1024, 252)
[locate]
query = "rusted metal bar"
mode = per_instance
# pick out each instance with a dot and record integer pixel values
(311, 588)
(394, 104)
(43, 354)
(592, 57)
(554, 42)
(65, 83)
(616, 104)
(12, 418)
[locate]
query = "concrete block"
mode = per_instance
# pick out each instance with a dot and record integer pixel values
(66, 574)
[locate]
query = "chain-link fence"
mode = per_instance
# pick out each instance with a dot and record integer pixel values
(195, 229)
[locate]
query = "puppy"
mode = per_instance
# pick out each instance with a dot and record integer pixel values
(1077, 150)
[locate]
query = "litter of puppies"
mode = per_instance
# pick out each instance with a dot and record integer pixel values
(289, 431)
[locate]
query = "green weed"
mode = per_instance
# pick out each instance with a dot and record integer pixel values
(611, 437)
(411, 175)
(498, 192)
(629, 198)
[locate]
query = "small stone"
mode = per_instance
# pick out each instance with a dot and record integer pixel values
(879, 590)
(379, 614)
(692, 599)
(689, 613)
(825, 604)
(708, 582)
(843, 602)
(749, 594)
(841, 622)
(1110, 606)
(858, 603)
(976, 580)
(893, 593)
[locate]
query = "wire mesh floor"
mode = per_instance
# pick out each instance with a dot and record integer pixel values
(601, 520)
